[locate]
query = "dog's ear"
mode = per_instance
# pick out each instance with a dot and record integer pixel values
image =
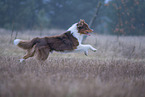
(80, 23)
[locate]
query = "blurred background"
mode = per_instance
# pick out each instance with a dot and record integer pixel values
(115, 17)
(117, 69)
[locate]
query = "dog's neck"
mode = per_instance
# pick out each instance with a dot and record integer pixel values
(75, 33)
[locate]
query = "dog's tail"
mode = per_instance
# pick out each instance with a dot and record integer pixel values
(26, 44)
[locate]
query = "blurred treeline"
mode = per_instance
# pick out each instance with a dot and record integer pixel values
(123, 17)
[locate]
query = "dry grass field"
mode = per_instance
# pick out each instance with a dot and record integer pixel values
(117, 69)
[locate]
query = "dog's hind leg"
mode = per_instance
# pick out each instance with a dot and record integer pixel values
(30, 53)
(42, 53)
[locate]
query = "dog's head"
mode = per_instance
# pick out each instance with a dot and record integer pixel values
(83, 27)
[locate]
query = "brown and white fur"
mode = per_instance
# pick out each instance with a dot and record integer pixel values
(70, 41)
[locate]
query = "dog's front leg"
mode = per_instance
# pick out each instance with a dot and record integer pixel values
(85, 48)
(92, 48)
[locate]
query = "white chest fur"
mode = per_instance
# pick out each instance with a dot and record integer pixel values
(75, 33)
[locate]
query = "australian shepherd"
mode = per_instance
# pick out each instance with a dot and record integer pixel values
(70, 41)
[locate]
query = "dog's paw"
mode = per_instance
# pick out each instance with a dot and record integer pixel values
(22, 60)
(86, 53)
(94, 50)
